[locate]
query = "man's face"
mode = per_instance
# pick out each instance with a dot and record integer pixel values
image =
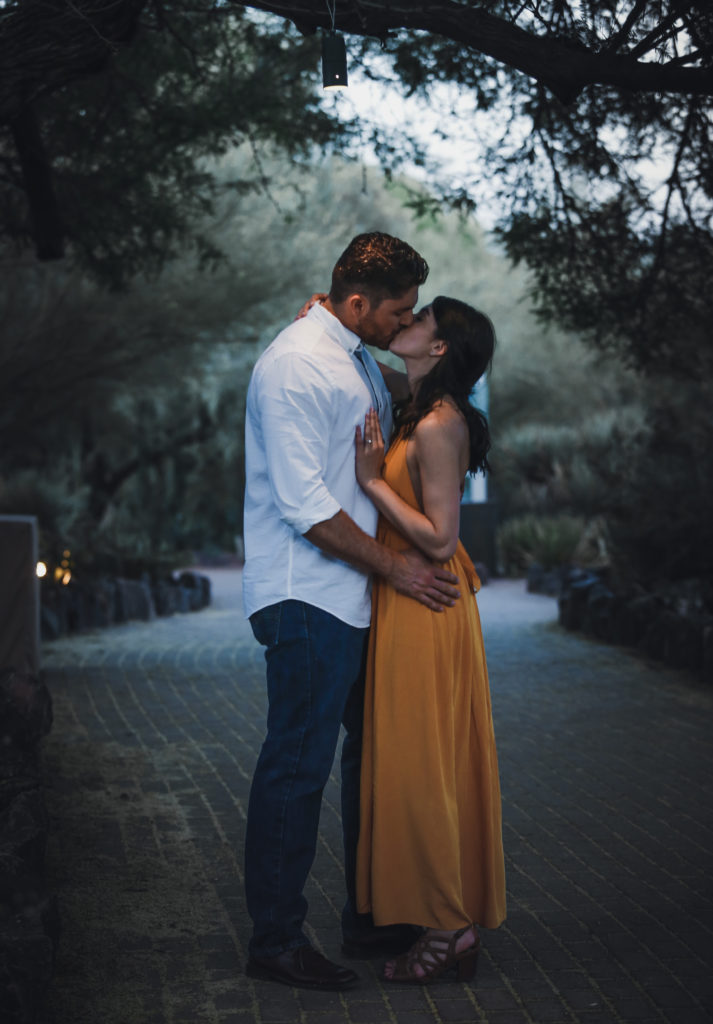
(379, 325)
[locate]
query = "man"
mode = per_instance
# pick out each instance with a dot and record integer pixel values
(310, 550)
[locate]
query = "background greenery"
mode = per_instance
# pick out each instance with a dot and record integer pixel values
(148, 386)
(202, 191)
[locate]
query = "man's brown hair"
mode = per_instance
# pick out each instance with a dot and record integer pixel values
(380, 266)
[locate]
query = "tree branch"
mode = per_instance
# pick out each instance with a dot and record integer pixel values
(563, 66)
(105, 484)
(654, 36)
(45, 44)
(37, 180)
(633, 16)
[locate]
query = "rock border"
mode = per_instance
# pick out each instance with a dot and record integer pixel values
(668, 626)
(91, 604)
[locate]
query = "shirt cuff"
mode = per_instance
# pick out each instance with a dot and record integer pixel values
(306, 518)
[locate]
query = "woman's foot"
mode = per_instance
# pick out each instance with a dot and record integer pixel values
(435, 953)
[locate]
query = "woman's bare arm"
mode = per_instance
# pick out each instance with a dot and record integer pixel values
(440, 443)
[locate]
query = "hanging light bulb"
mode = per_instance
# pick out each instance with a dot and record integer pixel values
(334, 61)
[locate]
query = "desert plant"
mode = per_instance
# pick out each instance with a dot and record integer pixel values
(550, 469)
(548, 541)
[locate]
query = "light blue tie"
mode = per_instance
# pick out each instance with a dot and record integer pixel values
(359, 353)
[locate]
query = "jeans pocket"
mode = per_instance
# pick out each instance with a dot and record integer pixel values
(266, 624)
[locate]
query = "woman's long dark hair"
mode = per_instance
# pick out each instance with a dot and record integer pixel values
(470, 341)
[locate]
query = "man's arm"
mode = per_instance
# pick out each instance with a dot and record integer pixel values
(395, 380)
(408, 572)
(294, 412)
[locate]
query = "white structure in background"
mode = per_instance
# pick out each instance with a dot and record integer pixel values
(476, 487)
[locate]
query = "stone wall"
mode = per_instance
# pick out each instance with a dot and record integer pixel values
(670, 625)
(83, 605)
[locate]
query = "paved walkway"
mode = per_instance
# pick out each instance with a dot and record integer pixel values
(606, 777)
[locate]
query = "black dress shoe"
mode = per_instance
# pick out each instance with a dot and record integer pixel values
(302, 967)
(387, 940)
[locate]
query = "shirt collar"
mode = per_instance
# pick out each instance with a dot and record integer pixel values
(335, 328)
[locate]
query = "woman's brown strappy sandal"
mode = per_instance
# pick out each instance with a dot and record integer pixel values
(436, 954)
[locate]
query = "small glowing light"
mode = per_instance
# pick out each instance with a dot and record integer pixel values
(66, 577)
(66, 554)
(41, 569)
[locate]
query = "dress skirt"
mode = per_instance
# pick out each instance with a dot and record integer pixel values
(430, 847)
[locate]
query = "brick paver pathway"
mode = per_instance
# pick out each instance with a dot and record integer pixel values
(606, 777)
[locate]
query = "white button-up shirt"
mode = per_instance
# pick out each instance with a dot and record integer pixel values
(307, 394)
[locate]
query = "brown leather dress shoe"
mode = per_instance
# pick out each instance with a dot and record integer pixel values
(302, 967)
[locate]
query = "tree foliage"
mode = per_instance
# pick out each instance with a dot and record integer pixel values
(121, 419)
(605, 190)
(598, 153)
(565, 44)
(589, 130)
(125, 149)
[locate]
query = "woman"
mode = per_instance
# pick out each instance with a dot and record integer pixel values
(430, 847)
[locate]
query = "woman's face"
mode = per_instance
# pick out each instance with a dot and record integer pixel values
(416, 341)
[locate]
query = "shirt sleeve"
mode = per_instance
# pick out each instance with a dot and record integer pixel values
(295, 409)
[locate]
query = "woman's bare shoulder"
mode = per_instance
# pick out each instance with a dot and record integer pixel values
(444, 418)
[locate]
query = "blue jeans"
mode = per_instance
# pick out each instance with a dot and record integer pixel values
(315, 683)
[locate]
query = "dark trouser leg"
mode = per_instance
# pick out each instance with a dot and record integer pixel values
(353, 722)
(313, 660)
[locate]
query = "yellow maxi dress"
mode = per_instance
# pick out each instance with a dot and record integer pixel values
(430, 845)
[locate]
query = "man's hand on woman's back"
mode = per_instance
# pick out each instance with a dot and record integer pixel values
(420, 579)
